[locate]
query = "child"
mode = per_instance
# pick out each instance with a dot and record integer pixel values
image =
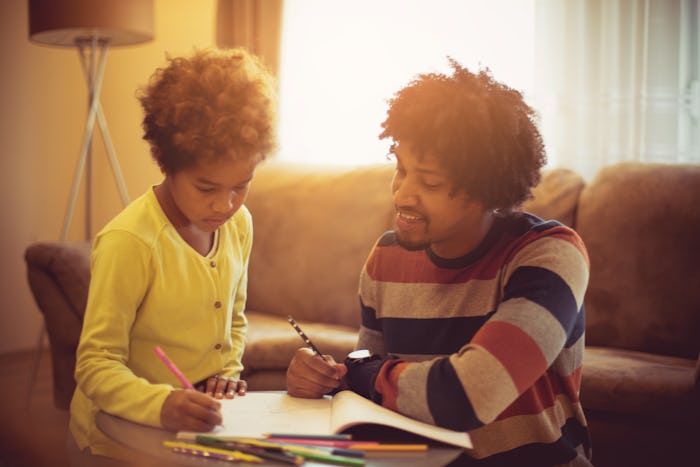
(171, 269)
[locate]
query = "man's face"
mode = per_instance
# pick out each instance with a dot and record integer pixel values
(428, 210)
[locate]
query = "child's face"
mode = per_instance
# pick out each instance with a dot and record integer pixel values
(208, 194)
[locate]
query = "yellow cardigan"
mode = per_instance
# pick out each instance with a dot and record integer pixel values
(148, 287)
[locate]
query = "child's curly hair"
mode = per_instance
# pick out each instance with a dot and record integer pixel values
(481, 130)
(214, 104)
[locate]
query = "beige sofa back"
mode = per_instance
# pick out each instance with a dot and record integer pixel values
(314, 227)
(313, 230)
(641, 225)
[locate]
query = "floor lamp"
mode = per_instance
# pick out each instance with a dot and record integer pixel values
(91, 27)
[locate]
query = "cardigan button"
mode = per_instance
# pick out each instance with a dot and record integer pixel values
(217, 304)
(217, 346)
(212, 264)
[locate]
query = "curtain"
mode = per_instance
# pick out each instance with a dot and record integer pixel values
(253, 24)
(617, 80)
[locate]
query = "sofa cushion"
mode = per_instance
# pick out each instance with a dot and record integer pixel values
(641, 225)
(640, 383)
(556, 196)
(272, 341)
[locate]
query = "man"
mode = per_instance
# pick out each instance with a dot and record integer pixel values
(473, 310)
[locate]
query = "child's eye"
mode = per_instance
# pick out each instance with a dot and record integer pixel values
(205, 189)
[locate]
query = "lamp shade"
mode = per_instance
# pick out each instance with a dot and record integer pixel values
(61, 22)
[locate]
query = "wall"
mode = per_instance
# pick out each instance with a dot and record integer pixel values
(42, 120)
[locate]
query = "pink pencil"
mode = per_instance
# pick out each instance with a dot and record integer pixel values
(333, 443)
(173, 369)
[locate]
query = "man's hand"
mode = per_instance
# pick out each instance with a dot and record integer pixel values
(188, 410)
(311, 376)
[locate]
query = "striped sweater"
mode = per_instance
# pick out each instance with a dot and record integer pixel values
(491, 342)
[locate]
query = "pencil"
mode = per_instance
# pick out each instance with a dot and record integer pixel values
(334, 443)
(388, 447)
(340, 436)
(173, 369)
(304, 337)
(200, 451)
(249, 445)
(329, 458)
(299, 445)
(275, 453)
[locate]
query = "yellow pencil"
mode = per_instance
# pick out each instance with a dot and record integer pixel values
(389, 447)
(202, 451)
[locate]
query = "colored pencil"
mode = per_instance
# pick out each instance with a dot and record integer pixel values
(338, 443)
(210, 452)
(270, 453)
(313, 453)
(388, 447)
(340, 436)
(173, 369)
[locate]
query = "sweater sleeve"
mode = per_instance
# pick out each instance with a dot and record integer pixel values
(120, 273)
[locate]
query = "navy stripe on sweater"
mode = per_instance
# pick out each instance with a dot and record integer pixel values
(547, 289)
(433, 336)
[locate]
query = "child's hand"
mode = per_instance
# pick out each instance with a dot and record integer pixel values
(187, 410)
(220, 386)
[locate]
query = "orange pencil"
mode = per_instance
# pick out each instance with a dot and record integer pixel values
(389, 447)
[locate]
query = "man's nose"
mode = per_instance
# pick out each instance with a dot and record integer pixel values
(405, 193)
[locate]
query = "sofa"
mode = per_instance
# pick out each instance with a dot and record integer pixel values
(314, 226)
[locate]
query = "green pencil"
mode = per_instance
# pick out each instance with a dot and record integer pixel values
(326, 458)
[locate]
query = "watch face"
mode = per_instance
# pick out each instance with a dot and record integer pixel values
(359, 354)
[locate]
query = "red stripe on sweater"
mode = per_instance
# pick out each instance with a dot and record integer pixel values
(521, 356)
(387, 382)
(542, 395)
(416, 267)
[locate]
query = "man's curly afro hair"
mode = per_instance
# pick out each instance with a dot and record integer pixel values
(481, 130)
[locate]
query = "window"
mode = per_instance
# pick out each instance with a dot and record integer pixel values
(342, 60)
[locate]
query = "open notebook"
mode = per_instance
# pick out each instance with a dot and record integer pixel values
(259, 413)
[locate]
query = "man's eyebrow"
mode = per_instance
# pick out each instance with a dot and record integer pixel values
(431, 172)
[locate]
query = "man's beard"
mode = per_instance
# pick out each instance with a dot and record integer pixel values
(411, 246)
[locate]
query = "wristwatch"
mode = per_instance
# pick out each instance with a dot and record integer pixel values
(358, 357)
(363, 367)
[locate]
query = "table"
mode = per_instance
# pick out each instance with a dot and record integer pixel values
(149, 441)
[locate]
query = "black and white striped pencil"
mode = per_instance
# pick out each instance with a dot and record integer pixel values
(304, 337)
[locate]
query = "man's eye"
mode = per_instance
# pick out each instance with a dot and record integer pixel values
(432, 186)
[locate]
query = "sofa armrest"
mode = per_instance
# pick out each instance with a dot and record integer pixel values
(59, 277)
(654, 387)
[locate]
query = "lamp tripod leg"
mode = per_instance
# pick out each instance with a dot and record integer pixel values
(35, 365)
(111, 155)
(95, 78)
